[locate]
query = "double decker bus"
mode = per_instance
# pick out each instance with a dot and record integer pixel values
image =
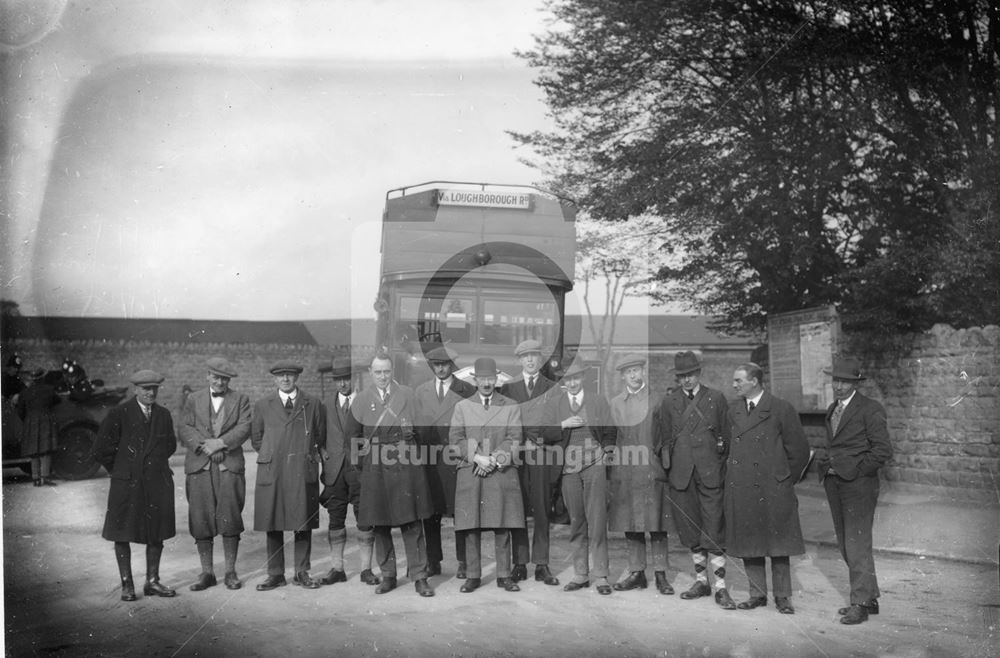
(477, 267)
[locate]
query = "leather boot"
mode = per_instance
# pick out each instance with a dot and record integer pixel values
(123, 554)
(153, 587)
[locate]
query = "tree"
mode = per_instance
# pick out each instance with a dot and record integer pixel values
(800, 153)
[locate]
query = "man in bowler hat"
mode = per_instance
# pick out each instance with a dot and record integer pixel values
(857, 446)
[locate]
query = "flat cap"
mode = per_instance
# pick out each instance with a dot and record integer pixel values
(528, 347)
(219, 366)
(146, 378)
(282, 367)
(442, 353)
(631, 360)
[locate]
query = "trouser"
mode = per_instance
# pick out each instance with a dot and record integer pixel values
(432, 537)
(637, 550)
(41, 466)
(302, 542)
(698, 515)
(536, 490)
(585, 493)
(215, 502)
(781, 575)
(474, 552)
(852, 505)
(416, 550)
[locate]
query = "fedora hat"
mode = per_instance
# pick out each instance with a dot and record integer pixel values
(572, 368)
(219, 366)
(686, 362)
(342, 367)
(442, 354)
(846, 368)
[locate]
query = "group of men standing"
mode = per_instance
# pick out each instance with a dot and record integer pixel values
(723, 471)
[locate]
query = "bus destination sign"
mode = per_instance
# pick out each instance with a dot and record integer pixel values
(484, 199)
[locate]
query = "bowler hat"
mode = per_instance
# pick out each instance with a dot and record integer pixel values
(146, 378)
(631, 360)
(846, 368)
(219, 366)
(485, 367)
(442, 354)
(528, 347)
(686, 363)
(282, 367)
(342, 368)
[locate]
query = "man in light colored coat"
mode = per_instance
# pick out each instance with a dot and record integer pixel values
(215, 423)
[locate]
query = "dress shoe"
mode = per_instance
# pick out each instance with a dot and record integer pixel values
(154, 588)
(871, 606)
(723, 600)
(751, 603)
(471, 585)
(460, 573)
(368, 578)
(433, 569)
(271, 582)
(855, 615)
(387, 585)
(784, 605)
(303, 579)
(519, 572)
(696, 591)
(663, 585)
(423, 588)
(37, 482)
(508, 584)
(543, 574)
(572, 586)
(48, 482)
(603, 587)
(334, 576)
(204, 581)
(232, 581)
(128, 591)
(635, 580)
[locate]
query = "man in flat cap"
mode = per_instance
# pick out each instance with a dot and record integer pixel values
(694, 431)
(341, 484)
(639, 503)
(539, 476)
(215, 423)
(134, 444)
(287, 430)
(581, 424)
(436, 399)
(394, 490)
(485, 430)
(857, 446)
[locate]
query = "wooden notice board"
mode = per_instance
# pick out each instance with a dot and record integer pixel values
(801, 345)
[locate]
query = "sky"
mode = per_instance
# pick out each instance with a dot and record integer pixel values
(230, 159)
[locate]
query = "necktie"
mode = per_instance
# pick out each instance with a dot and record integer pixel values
(440, 390)
(750, 406)
(531, 385)
(289, 405)
(574, 404)
(345, 402)
(838, 411)
(486, 403)
(146, 412)
(690, 394)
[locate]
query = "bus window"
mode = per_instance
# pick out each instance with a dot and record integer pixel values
(508, 322)
(435, 320)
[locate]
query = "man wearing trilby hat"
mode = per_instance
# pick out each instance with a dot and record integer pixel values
(134, 444)
(287, 429)
(857, 439)
(215, 423)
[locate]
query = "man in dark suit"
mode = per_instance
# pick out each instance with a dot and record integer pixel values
(585, 430)
(768, 452)
(857, 438)
(696, 436)
(341, 486)
(436, 399)
(538, 475)
(287, 429)
(215, 423)
(134, 444)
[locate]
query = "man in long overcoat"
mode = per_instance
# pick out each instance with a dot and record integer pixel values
(436, 399)
(693, 419)
(768, 452)
(638, 481)
(215, 423)
(586, 433)
(341, 483)
(394, 490)
(36, 407)
(857, 438)
(485, 431)
(287, 430)
(134, 444)
(539, 475)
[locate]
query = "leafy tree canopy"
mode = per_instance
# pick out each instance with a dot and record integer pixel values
(799, 153)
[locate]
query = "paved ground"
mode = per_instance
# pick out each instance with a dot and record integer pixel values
(62, 598)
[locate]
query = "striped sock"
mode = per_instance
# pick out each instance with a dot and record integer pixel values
(700, 558)
(719, 569)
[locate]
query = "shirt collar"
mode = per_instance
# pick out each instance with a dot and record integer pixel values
(756, 399)
(850, 397)
(629, 392)
(285, 396)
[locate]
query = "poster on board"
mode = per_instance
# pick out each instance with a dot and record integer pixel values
(801, 345)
